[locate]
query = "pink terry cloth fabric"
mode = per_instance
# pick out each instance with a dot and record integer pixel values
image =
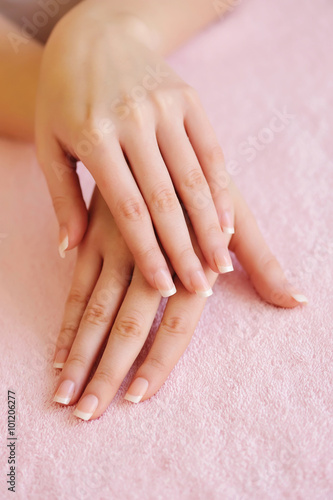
(247, 411)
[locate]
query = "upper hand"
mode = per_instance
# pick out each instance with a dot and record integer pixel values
(106, 98)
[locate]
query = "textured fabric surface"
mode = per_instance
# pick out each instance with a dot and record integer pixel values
(247, 411)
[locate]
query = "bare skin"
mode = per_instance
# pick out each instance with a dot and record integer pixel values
(142, 133)
(140, 130)
(112, 303)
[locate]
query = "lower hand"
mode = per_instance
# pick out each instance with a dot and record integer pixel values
(111, 302)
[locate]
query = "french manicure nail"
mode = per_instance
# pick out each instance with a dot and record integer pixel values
(299, 298)
(86, 407)
(223, 261)
(65, 392)
(63, 241)
(201, 285)
(228, 230)
(137, 390)
(226, 222)
(60, 358)
(164, 283)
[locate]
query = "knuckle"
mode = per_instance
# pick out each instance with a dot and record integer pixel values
(67, 333)
(214, 154)
(268, 262)
(219, 189)
(105, 376)
(186, 253)
(164, 199)
(194, 180)
(213, 230)
(91, 120)
(77, 298)
(157, 363)
(222, 180)
(96, 314)
(78, 359)
(138, 115)
(175, 325)
(190, 94)
(58, 203)
(129, 327)
(148, 254)
(84, 125)
(132, 209)
(162, 101)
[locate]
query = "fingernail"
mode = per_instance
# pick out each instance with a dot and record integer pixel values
(299, 298)
(226, 222)
(137, 390)
(164, 283)
(65, 392)
(86, 407)
(223, 261)
(63, 241)
(60, 358)
(201, 285)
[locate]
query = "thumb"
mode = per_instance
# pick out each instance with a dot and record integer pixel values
(257, 259)
(64, 187)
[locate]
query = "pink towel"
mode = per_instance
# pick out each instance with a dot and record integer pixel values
(247, 411)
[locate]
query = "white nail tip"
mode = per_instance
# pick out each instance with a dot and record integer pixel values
(225, 269)
(82, 414)
(63, 401)
(207, 293)
(299, 298)
(168, 293)
(63, 246)
(133, 399)
(229, 230)
(58, 365)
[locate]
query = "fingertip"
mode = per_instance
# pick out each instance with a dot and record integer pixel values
(86, 407)
(227, 222)
(284, 296)
(77, 225)
(60, 358)
(137, 390)
(63, 240)
(228, 230)
(300, 298)
(164, 283)
(65, 189)
(72, 228)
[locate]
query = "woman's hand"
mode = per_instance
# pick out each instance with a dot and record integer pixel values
(111, 304)
(106, 97)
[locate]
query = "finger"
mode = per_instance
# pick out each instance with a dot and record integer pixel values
(156, 186)
(65, 190)
(83, 283)
(175, 332)
(179, 321)
(257, 259)
(121, 193)
(127, 337)
(194, 191)
(205, 144)
(94, 328)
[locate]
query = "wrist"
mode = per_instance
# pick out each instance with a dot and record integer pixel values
(130, 24)
(133, 26)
